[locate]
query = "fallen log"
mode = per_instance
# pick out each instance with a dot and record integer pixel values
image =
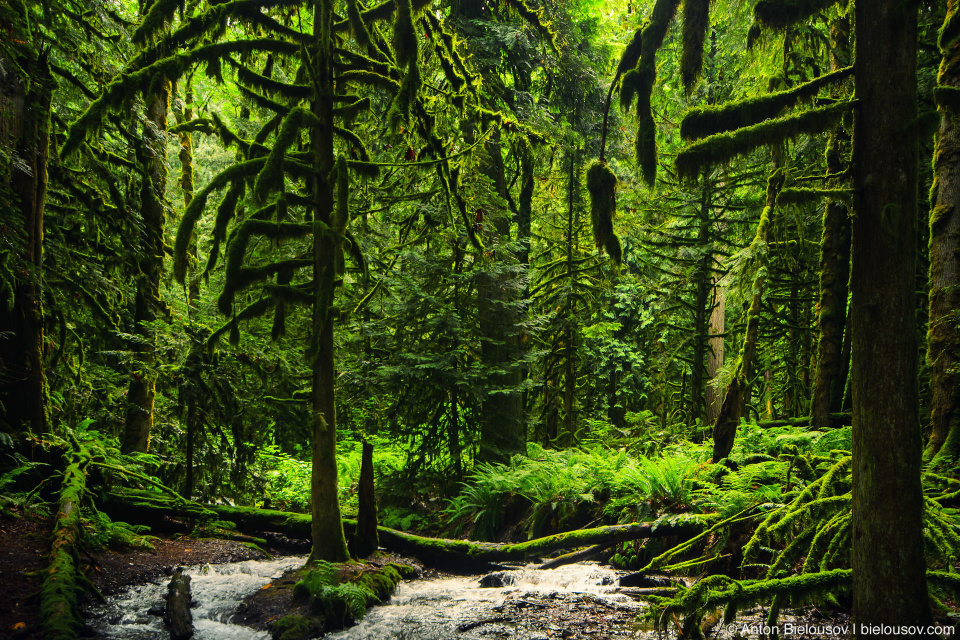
(451, 555)
(836, 420)
(64, 582)
(575, 556)
(178, 617)
(467, 556)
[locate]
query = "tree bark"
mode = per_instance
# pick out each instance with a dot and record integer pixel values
(735, 399)
(889, 583)
(718, 313)
(25, 131)
(503, 428)
(834, 268)
(365, 541)
(943, 334)
(328, 540)
(142, 390)
(702, 316)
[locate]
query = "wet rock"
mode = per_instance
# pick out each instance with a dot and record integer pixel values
(643, 580)
(157, 610)
(497, 579)
(178, 617)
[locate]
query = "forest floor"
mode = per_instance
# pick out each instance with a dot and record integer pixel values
(25, 542)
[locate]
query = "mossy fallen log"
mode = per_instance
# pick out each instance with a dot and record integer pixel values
(153, 509)
(836, 420)
(451, 555)
(64, 582)
(467, 556)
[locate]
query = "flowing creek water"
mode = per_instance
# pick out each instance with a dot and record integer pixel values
(216, 590)
(524, 607)
(575, 602)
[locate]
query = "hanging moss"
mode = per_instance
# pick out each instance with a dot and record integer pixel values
(404, 35)
(650, 42)
(234, 333)
(341, 214)
(629, 87)
(450, 53)
(356, 144)
(161, 12)
(780, 14)
(804, 196)
(439, 38)
(270, 86)
(262, 101)
(405, 98)
(646, 150)
(602, 185)
(723, 147)
(249, 312)
(631, 55)
(370, 79)
(352, 109)
(696, 22)
(534, 18)
(270, 178)
(171, 68)
(196, 207)
(238, 277)
(701, 122)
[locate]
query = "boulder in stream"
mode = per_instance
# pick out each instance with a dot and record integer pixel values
(178, 617)
(497, 579)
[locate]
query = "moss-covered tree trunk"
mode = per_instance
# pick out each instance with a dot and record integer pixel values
(943, 333)
(735, 399)
(183, 112)
(703, 279)
(502, 421)
(151, 153)
(329, 542)
(834, 268)
(889, 583)
(24, 126)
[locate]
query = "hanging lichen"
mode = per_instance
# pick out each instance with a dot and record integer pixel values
(404, 35)
(602, 185)
(196, 207)
(723, 147)
(701, 122)
(641, 85)
(270, 178)
(269, 85)
(780, 14)
(696, 22)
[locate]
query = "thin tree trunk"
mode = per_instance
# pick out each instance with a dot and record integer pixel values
(889, 581)
(701, 313)
(735, 399)
(718, 313)
(329, 542)
(25, 127)
(943, 334)
(834, 274)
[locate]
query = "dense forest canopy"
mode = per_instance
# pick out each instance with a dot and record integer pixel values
(563, 262)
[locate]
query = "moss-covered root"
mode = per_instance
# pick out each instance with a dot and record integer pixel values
(64, 583)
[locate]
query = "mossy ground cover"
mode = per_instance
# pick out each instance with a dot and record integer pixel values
(324, 597)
